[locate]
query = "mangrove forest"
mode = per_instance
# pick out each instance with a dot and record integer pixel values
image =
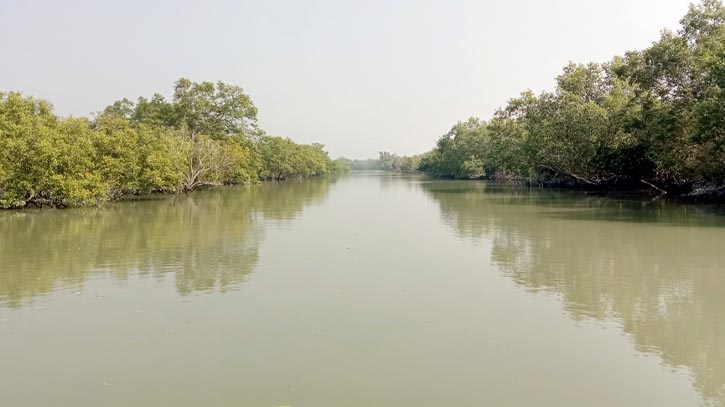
(206, 135)
(651, 119)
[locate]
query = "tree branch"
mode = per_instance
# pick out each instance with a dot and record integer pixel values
(661, 191)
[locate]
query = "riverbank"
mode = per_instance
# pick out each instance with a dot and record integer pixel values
(708, 193)
(160, 195)
(650, 119)
(705, 194)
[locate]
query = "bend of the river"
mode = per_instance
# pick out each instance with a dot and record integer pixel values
(370, 289)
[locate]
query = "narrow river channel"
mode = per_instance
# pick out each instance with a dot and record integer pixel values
(370, 289)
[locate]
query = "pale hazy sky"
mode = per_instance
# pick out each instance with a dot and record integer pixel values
(359, 77)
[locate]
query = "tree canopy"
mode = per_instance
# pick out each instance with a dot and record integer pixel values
(653, 118)
(206, 135)
(386, 161)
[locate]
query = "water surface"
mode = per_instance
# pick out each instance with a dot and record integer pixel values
(367, 290)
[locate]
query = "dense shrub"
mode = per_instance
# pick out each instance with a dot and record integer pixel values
(652, 118)
(207, 135)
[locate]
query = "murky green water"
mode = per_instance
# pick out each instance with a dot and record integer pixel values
(368, 290)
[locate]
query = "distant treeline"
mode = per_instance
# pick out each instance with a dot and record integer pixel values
(206, 135)
(649, 119)
(385, 162)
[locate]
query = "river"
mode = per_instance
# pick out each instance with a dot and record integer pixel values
(368, 289)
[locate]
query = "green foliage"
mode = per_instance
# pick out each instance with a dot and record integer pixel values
(342, 164)
(214, 110)
(284, 159)
(207, 161)
(385, 162)
(198, 108)
(654, 117)
(363, 165)
(207, 135)
(136, 159)
(44, 160)
(406, 164)
(461, 152)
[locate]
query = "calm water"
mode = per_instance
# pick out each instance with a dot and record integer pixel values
(368, 290)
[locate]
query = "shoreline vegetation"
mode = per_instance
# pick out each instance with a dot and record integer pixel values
(206, 135)
(651, 120)
(385, 162)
